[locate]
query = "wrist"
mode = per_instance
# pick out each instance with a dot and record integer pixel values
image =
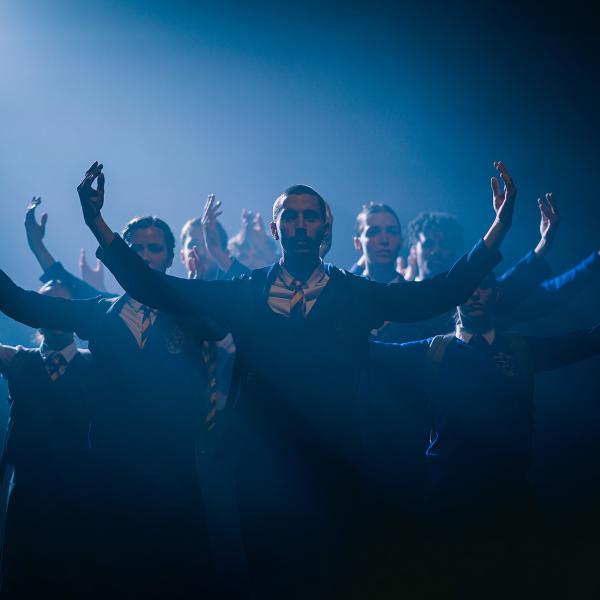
(541, 248)
(93, 221)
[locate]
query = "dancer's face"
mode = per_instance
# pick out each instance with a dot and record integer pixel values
(300, 225)
(149, 243)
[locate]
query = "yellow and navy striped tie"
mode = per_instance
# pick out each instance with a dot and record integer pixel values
(298, 302)
(209, 356)
(146, 322)
(56, 365)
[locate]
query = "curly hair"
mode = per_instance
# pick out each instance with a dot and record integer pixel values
(436, 221)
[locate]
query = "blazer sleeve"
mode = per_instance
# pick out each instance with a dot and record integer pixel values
(418, 301)
(549, 353)
(80, 290)
(217, 300)
(41, 311)
(553, 293)
(520, 281)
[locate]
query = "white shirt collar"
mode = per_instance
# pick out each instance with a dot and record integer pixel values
(466, 336)
(288, 280)
(69, 352)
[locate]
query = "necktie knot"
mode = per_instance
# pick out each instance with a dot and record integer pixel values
(298, 301)
(55, 365)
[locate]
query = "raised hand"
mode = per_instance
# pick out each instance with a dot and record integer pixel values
(35, 231)
(503, 200)
(408, 269)
(194, 264)
(93, 276)
(254, 234)
(212, 237)
(35, 234)
(549, 222)
(92, 199)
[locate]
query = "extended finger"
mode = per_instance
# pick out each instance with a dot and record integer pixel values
(44, 220)
(495, 186)
(552, 203)
(94, 165)
(101, 179)
(543, 206)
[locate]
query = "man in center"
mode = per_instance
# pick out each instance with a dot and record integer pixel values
(301, 330)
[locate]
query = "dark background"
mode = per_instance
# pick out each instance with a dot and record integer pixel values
(406, 104)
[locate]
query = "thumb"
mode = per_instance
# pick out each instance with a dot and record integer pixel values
(44, 220)
(99, 266)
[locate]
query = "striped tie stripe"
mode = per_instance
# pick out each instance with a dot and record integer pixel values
(146, 322)
(298, 301)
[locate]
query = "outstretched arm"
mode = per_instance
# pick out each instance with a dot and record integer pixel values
(549, 353)
(417, 301)
(553, 293)
(214, 299)
(42, 311)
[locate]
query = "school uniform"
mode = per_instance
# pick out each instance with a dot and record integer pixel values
(297, 388)
(478, 391)
(149, 420)
(47, 547)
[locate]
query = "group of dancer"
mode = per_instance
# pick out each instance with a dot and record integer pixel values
(274, 426)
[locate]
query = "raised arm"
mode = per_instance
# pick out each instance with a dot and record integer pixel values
(421, 300)
(522, 279)
(214, 299)
(35, 234)
(53, 269)
(212, 238)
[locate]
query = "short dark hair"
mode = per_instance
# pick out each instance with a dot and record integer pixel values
(370, 209)
(440, 221)
(150, 221)
(297, 190)
(197, 222)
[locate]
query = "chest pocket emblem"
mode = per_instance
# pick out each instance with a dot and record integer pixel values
(506, 364)
(175, 337)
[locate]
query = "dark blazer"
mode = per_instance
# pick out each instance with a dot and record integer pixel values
(149, 419)
(297, 383)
